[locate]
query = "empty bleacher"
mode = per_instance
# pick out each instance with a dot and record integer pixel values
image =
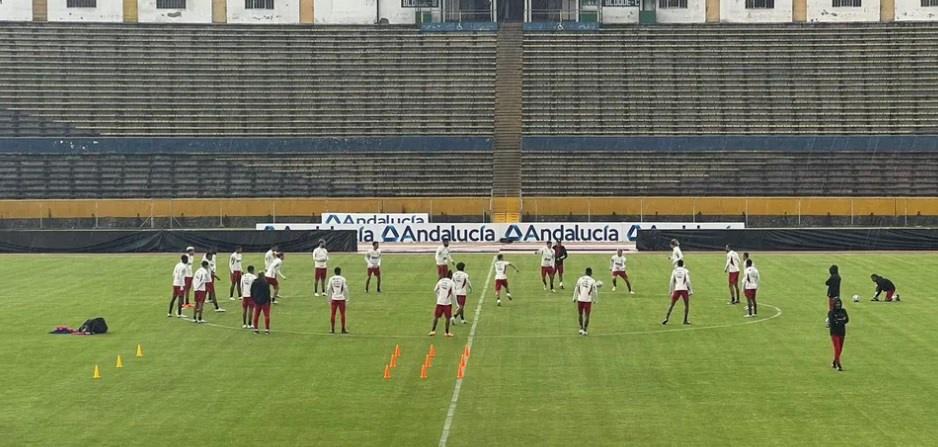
(730, 173)
(203, 80)
(198, 175)
(733, 79)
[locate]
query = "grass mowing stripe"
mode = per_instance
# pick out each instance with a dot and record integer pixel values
(472, 333)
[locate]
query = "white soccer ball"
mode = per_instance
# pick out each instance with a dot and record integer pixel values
(856, 298)
(599, 284)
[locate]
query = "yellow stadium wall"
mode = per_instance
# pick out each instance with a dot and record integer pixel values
(648, 207)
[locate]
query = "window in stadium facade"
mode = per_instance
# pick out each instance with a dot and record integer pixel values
(664, 4)
(258, 4)
(170, 4)
(81, 4)
(621, 3)
(760, 4)
(929, 3)
(847, 3)
(420, 3)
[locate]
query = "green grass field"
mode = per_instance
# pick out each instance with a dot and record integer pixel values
(531, 379)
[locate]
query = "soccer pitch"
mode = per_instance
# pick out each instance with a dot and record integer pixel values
(530, 380)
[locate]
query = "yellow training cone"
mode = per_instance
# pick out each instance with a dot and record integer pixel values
(120, 362)
(139, 351)
(97, 373)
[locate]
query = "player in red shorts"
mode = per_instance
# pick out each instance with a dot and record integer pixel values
(463, 287)
(273, 273)
(321, 264)
(680, 289)
(373, 261)
(547, 265)
(732, 268)
(618, 270)
(560, 255)
(750, 287)
(247, 304)
(884, 285)
(445, 292)
(179, 286)
(584, 294)
(234, 267)
(209, 257)
(199, 282)
(443, 259)
(501, 278)
(338, 297)
(190, 253)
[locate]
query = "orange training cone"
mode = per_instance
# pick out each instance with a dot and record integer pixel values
(432, 351)
(461, 372)
(97, 373)
(462, 361)
(387, 372)
(423, 372)
(139, 351)
(466, 351)
(393, 363)
(397, 350)
(120, 362)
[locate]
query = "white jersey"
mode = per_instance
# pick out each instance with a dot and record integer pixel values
(338, 288)
(461, 279)
(676, 255)
(274, 268)
(246, 281)
(189, 264)
(211, 263)
(501, 269)
(617, 263)
(321, 257)
(547, 256)
(179, 275)
(445, 291)
(201, 278)
(373, 258)
(680, 280)
(585, 290)
(751, 281)
(269, 258)
(732, 262)
(234, 262)
(442, 255)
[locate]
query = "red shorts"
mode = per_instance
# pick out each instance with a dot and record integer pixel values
(547, 271)
(235, 277)
(499, 283)
(621, 274)
(247, 302)
(889, 294)
(679, 295)
(199, 296)
(558, 268)
(442, 270)
(734, 278)
(338, 304)
(210, 287)
(750, 294)
(179, 292)
(584, 306)
(443, 309)
(272, 281)
(461, 300)
(320, 274)
(188, 282)
(376, 271)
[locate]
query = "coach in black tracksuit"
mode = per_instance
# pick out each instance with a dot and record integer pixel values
(837, 320)
(884, 285)
(833, 287)
(260, 294)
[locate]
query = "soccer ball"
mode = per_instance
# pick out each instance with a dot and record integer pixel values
(599, 284)
(856, 298)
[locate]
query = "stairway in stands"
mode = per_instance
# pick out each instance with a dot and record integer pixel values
(506, 185)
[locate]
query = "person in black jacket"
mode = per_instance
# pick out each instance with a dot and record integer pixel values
(833, 287)
(260, 294)
(837, 320)
(884, 285)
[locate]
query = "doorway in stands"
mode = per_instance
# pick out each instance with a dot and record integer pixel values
(511, 10)
(468, 10)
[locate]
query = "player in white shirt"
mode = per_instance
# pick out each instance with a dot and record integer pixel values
(200, 281)
(547, 265)
(179, 286)
(501, 278)
(679, 288)
(617, 267)
(676, 253)
(234, 269)
(445, 292)
(443, 259)
(190, 253)
(750, 286)
(373, 261)
(584, 294)
(732, 270)
(321, 262)
(270, 256)
(338, 296)
(247, 304)
(463, 287)
(209, 257)
(273, 272)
